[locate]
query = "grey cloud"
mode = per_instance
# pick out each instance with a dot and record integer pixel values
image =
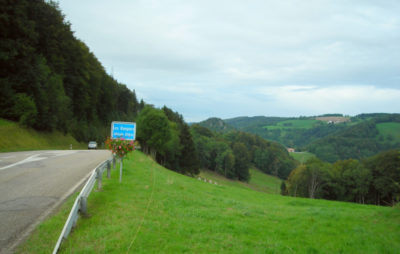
(228, 50)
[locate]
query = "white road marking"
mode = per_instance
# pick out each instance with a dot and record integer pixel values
(40, 156)
(29, 159)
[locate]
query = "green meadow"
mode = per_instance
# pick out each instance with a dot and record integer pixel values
(294, 124)
(13, 137)
(258, 181)
(155, 210)
(302, 157)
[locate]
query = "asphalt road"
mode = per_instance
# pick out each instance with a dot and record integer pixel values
(33, 184)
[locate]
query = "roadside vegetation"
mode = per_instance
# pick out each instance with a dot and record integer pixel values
(17, 138)
(155, 210)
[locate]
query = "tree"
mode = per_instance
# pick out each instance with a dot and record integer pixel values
(385, 168)
(188, 160)
(25, 109)
(153, 131)
(308, 179)
(242, 161)
(297, 182)
(316, 172)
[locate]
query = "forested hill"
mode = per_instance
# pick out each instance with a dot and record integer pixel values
(216, 124)
(50, 80)
(331, 137)
(364, 139)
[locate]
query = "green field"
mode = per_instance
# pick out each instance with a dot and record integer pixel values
(16, 138)
(302, 157)
(155, 210)
(294, 124)
(259, 181)
(389, 130)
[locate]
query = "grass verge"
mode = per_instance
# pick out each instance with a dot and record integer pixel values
(13, 138)
(155, 210)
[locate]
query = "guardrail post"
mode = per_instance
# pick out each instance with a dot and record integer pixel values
(108, 169)
(83, 206)
(114, 162)
(99, 177)
(120, 169)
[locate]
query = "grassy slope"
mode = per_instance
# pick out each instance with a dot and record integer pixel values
(302, 157)
(155, 210)
(16, 138)
(259, 181)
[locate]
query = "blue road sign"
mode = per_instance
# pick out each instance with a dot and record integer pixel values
(125, 130)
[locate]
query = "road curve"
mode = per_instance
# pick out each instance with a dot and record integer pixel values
(33, 183)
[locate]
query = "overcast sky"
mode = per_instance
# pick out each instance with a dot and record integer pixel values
(245, 58)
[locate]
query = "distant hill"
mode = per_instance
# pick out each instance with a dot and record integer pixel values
(330, 137)
(362, 140)
(289, 131)
(216, 124)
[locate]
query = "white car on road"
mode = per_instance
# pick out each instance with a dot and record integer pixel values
(92, 145)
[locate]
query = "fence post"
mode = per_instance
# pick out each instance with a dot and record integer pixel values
(114, 161)
(99, 177)
(120, 169)
(83, 206)
(108, 169)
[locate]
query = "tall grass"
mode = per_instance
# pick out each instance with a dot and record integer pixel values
(155, 210)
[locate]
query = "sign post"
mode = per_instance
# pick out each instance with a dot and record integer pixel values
(123, 131)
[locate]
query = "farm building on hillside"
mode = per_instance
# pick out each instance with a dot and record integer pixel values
(291, 150)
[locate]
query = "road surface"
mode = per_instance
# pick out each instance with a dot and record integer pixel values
(33, 183)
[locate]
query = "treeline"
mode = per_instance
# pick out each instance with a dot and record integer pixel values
(50, 80)
(231, 154)
(359, 141)
(164, 135)
(375, 180)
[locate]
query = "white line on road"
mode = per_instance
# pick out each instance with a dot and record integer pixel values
(29, 159)
(38, 157)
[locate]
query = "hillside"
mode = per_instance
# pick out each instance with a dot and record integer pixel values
(359, 141)
(13, 137)
(330, 137)
(291, 132)
(155, 210)
(51, 81)
(216, 124)
(259, 181)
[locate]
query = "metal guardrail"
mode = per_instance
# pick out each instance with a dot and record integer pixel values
(80, 205)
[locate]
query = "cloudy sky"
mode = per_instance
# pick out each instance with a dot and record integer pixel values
(244, 58)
